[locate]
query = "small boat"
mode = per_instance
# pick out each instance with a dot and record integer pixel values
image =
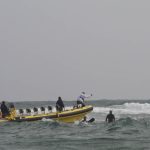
(68, 116)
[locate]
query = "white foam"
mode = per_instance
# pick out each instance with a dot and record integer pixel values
(49, 120)
(127, 108)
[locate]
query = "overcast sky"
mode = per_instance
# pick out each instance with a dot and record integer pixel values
(63, 47)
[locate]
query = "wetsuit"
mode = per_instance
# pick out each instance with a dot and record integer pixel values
(4, 110)
(59, 104)
(110, 118)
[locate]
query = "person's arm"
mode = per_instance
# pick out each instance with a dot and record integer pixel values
(63, 107)
(87, 95)
(62, 104)
(106, 118)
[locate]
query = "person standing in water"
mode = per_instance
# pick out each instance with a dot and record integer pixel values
(110, 117)
(81, 98)
(59, 104)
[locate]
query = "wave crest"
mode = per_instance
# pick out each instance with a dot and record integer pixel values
(126, 108)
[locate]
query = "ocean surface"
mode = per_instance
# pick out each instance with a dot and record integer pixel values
(131, 131)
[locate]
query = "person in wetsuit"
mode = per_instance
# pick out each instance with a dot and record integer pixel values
(4, 110)
(59, 104)
(110, 117)
(88, 121)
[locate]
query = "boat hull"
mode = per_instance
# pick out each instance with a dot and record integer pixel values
(67, 116)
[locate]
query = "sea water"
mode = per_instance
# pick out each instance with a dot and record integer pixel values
(131, 131)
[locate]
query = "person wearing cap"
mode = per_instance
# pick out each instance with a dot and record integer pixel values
(81, 98)
(110, 117)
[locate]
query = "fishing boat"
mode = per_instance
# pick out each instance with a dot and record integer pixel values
(67, 116)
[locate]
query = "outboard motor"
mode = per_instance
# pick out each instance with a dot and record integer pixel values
(49, 108)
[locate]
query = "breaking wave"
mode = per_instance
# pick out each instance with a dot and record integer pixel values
(126, 108)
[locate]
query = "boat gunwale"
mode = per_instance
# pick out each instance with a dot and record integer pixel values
(56, 115)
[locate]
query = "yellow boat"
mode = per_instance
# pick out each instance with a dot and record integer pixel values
(68, 116)
(3, 120)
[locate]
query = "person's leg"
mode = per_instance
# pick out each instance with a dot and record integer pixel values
(83, 104)
(79, 104)
(60, 108)
(57, 109)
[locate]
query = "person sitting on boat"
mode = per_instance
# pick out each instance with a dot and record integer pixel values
(12, 111)
(81, 98)
(4, 110)
(59, 104)
(110, 117)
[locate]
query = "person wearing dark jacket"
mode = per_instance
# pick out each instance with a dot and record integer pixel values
(59, 104)
(110, 117)
(88, 121)
(4, 110)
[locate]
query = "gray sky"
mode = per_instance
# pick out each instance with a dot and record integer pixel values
(60, 48)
